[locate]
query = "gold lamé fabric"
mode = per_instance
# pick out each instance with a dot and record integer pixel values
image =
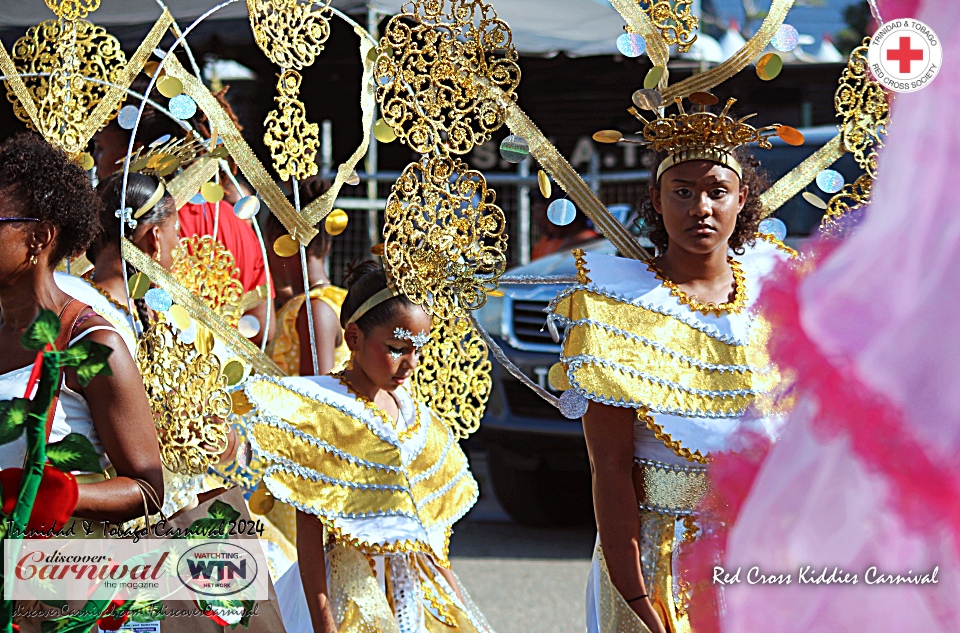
(328, 457)
(396, 592)
(629, 342)
(285, 348)
(668, 592)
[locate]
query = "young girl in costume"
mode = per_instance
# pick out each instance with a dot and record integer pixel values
(377, 480)
(670, 356)
(291, 347)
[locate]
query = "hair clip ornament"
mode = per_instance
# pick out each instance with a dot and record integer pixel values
(126, 215)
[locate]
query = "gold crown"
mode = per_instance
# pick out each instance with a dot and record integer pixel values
(698, 135)
(161, 159)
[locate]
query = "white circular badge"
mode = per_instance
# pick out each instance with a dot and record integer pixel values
(905, 55)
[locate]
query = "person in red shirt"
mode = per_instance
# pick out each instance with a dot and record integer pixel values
(218, 220)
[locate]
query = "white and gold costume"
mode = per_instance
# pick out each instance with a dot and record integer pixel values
(387, 494)
(632, 342)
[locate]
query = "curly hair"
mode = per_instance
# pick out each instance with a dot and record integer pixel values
(42, 182)
(744, 234)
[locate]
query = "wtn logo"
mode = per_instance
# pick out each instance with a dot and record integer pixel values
(217, 570)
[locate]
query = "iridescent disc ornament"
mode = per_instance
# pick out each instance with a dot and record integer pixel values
(814, 199)
(557, 377)
(561, 212)
(830, 181)
(183, 107)
(160, 141)
(552, 329)
(631, 45)
(647, 99)
(654, 75)
(336, 222)
(286, 246)
(543, 180)
(248, 326)
(137, 285)
(514, 149)
(180, 317)
(211, 192)
(127, 118)
(158, 299)
(247, 207)
(383, 132)
(573, 405)
(785, 39)
(607, 136)
(169, 86)
(790, 135)
(769, 66)
(774, 227)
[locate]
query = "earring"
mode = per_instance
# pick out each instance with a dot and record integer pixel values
(156, 255)
(34, 260)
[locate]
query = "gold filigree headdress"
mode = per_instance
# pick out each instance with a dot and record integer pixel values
(702, 135)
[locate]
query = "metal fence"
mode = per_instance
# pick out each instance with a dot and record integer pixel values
(514, 193)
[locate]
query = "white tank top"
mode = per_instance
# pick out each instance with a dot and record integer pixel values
(72, 414)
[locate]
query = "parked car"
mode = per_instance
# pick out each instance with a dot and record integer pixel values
(537, 458)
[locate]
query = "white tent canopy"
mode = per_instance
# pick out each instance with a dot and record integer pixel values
(576, 27)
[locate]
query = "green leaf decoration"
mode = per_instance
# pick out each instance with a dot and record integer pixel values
(74, 452)
(13, 416)
(44, 330)
(94, 363)
(146, 611)
(220, 510)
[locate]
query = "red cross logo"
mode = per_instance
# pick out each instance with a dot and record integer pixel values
(905, 55)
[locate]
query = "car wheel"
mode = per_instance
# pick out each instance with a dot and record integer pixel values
(538, 496)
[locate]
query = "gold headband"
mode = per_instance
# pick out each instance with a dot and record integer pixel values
(152, 201)
(384, 295)
(712, 154)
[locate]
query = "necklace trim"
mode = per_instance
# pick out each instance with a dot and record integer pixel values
(106, 295)
(375, 409)
(733, 306)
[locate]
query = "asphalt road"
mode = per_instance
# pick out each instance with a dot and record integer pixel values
(525, 580)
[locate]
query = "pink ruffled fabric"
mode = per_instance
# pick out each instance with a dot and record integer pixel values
(866, 471)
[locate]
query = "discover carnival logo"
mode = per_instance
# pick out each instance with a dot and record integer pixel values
(905, 55)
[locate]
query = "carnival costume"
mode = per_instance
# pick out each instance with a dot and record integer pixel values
(285, 349)
(387, 493)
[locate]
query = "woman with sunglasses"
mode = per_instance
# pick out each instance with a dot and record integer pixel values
(49, 212)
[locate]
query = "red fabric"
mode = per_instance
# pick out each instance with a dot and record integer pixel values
(56, 500)
(232, 232)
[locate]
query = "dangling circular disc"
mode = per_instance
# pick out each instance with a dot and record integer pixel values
(383, 132)
(769, 66)
(86, 161)
(169, 86)
(573, 405)
(814, 199)
(180, 317)
(654, 75)
(647, 99)
(138, 285)
(286, 246)
(558, 377)
(830, 181)
(183, 107)
(336, 222)
(248, 326)
(204, 340)
(127, 118)
(233, 372)
(786, 38)
(631, 45)
(544, 181)
(790, 135)
(607, 136)
(211, 192)
(774, 227)
(150, 69)
(514, 149)
(703, 98)
(261, 501)
(353, 179)
(377, 249)
(561, 212)
(247, 207)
